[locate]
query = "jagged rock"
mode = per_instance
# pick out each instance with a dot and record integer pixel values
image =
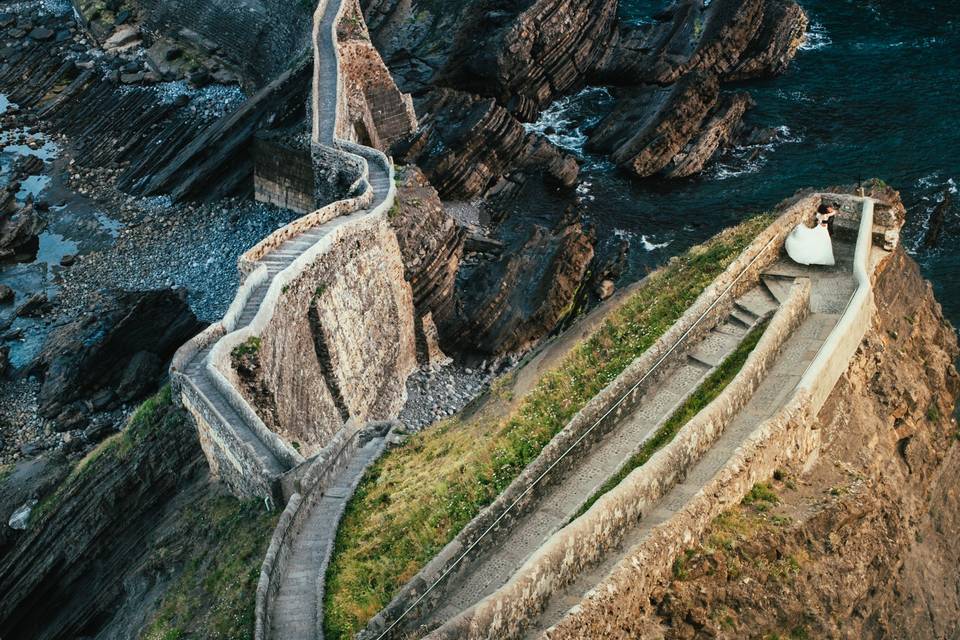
(525, 54)
(937, 218)
(28, 166)
(34, 306)
(19, 518)
(508, 305)
(466, 143)
(719, 130)
(4, 360)
(775, 44)
(122, 335)
(19, 234)
(6, 294)
(651, 125)
(431, 245)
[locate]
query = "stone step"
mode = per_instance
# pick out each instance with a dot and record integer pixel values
(778, 287)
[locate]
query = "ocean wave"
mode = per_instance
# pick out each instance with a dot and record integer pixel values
(562, 122)
(647, 244)
(747, 159)
(816, 38)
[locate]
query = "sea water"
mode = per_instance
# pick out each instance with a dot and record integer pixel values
(873, 92)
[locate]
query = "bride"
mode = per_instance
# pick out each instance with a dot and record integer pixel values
(813, 246)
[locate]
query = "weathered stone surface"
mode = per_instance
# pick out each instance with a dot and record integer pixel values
(431, 244)
(118, 344)
(651, 125)
(506, 306)
(526, 54)
(378, 113)
(716, 133)
(341, 341)
(466, 143)
(775, 44)
(6, 294)
(19, 234)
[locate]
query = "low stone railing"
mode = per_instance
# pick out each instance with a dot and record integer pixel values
(306, 485)
(488, 529)
(789, 438)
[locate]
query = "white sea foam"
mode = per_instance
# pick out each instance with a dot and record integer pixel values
(561, 123)
(816, 38)
(646, 243)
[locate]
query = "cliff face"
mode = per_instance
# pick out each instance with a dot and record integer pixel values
(863, 542)
(526, 54)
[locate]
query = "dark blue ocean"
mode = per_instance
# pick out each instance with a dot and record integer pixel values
(873, 93)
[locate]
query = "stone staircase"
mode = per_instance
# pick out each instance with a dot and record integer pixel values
(595, 466)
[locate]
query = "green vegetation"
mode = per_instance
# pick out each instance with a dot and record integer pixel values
(761, 497)
(416, 498)
(933, 412)
(250, 347)
(220, 543)
(712, 387)
(152, 416)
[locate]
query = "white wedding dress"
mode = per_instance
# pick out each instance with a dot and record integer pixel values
(810, 246)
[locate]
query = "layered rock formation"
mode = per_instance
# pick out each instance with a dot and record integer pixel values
(113, 353)
(466, 144)
(379, 113)
(431, 244)
(526, 54)
(682, 116)
(86, 554)
(509, 304)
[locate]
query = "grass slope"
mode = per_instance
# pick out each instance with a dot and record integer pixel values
(706, 393)
(416, 498)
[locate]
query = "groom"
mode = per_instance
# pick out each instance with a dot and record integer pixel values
(825, 214)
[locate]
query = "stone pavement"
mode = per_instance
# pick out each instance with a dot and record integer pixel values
(297, 613)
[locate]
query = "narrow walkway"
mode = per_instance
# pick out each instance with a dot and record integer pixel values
(831, 290)
(325, 100)
(296, 607)
(595, 465)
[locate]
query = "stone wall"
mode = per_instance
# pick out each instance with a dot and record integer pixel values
(585, 541)
(340, 343)
(379, 114)
(283, 174)
(610, 405)
(790, 435)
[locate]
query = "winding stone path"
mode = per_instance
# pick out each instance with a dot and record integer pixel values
(325, 103)
(297, 613)
(594, 466)
(831, 290)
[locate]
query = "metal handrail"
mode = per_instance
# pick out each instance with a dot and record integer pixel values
(597, 423)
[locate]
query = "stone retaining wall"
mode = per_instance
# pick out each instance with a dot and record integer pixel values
(587, 539)
(610, 405)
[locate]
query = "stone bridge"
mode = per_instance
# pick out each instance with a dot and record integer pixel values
(288, 390)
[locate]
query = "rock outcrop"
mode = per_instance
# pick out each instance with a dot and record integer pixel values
(466, 143)
(379, 114)
(526, 54)
(673, 126)
(863, 542)
(19, 234)
(113, 353)
(507, 305)
(432, 246)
